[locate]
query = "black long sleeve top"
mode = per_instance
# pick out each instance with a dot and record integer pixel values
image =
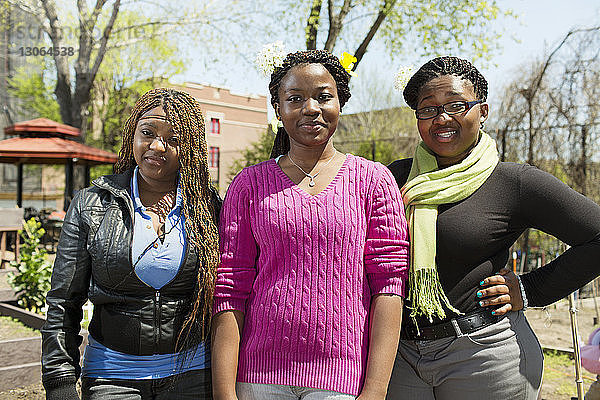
(474, 235)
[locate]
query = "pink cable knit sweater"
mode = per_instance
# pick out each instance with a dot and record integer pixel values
(303, 269)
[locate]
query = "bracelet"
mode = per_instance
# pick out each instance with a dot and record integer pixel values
(523, 296)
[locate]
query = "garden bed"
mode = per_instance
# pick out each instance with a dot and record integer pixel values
(20, 351)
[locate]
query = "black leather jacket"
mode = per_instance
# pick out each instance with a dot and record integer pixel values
(93, 262)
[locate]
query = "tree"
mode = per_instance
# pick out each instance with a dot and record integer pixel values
(257, 152)
(98, 32)
(122, 79)
(550, 116)
(425, 27)
(384, 133)
(380, 135)
(34, 92)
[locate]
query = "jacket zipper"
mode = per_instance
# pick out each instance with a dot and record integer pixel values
(157, 317)
(157, 309)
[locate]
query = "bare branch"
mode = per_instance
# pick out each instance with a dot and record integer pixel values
(104, 40)
(386, 8)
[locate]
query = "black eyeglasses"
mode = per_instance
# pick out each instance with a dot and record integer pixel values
(454, 107)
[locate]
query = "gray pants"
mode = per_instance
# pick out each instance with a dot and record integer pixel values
(190, 385)
(498, 362)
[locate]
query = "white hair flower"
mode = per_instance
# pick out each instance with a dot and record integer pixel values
(270, 57)
(402, 77)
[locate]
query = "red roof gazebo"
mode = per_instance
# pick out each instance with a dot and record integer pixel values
(43, 141)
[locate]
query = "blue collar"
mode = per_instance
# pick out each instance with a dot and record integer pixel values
(135, 194)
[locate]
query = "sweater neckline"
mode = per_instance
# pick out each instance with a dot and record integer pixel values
(303, 192)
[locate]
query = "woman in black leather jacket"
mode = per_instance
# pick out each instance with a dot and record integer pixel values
(142, 246)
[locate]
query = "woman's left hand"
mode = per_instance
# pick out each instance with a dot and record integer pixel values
(501, 292)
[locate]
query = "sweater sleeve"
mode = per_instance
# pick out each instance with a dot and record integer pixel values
(551, 206)
(237, 269)
(386, 247)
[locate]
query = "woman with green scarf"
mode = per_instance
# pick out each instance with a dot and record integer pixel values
(464, 334)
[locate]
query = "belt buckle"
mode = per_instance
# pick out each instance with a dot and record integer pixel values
(457, 330)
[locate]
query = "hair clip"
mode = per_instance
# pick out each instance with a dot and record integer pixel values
(402, 77)
(347, 60)
(270, 57)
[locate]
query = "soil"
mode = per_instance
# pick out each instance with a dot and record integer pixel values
(552, 326)
(33, 392)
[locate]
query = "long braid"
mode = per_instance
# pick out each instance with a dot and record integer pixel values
(199, 208)
(444, 66)
(330, 62)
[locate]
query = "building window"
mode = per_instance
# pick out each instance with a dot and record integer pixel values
(213, 157)
(215, 126)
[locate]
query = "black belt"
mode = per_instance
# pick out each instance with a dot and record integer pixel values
(458, 326)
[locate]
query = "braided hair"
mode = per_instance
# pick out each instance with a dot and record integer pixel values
(444, 66)
(323, 57)
(200, 202)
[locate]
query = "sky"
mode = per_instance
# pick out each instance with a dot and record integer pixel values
(541, 25)
(540, 28)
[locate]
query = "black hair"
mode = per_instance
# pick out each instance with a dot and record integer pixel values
(323, 57)
(446, 65)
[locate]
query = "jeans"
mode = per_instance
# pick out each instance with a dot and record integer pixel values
(190, 385)
(259, 391)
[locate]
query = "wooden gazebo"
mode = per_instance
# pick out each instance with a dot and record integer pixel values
(43, 141)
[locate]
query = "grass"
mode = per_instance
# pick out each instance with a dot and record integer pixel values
(559, 376)
(11, 328)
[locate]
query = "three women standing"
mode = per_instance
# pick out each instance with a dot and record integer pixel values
(313, 256)
(142, 246)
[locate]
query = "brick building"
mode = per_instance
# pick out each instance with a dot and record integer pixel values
(233, 122)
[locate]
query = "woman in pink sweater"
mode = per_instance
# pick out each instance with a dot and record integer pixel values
(314, 253)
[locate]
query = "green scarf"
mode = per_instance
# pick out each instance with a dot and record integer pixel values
(426, 188)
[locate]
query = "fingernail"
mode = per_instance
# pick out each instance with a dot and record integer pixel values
(493, 312)
(481, 283)
(479, 294)
(481, 303)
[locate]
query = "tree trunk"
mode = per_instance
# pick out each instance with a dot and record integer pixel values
(336, 22)
(63, 76)
(503, 142)
(312, 25)
(74, 103)
(582, 167)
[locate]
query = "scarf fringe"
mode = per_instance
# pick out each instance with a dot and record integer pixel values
(426, 295)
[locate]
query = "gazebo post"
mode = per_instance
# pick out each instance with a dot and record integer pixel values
(20, 185)
(87, 175)
(68, 183)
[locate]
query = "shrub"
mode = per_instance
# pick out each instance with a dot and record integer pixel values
(32, 279)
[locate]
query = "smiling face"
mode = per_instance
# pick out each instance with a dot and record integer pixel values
(156, 147)
(450, 137)
(308, 105)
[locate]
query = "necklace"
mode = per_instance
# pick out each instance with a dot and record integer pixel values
(312, 177)
(164, 205)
